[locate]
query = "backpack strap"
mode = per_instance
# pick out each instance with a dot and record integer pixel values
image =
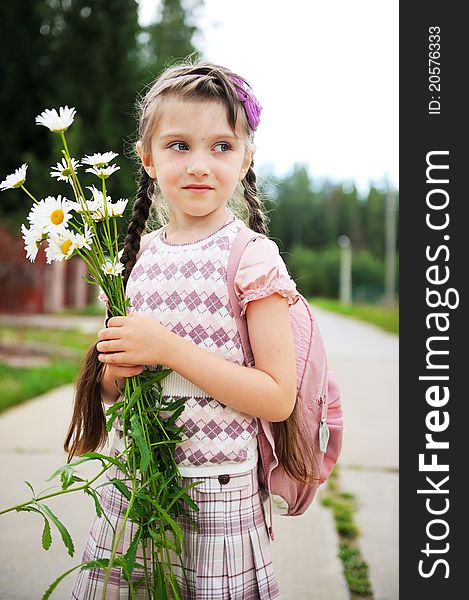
(242, 239)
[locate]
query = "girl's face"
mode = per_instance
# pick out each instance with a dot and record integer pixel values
(196, 158)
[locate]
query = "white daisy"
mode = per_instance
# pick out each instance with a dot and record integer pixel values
(91, 206)
(61, 246)
(85, 206)
(115, 209)
(112, 268)
(97, 208)
(32, 240)
(85, 239)
(99, 160)
(98, 195)
(56, 121)
(15, 180)
(51, 214)
(62, 171)
(103, 172)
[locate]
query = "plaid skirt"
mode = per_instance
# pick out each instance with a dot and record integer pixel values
(227, 556)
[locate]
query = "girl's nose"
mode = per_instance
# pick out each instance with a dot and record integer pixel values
(198, 165)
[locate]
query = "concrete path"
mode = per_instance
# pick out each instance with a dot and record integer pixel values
(365, 360)
(305, 548)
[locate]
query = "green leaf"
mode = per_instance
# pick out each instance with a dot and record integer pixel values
(31, 488)
(46, 538)
(66, 477)
(174, 526)
(28, 509)
(114, 408)
(150, 378)
(83, 458)
(137, 434)
(67, 540)
(97, 504)
(131, 554)
(53, 585)
(46, 535)
(185, 497)
(120, 485)
(175, 404)
(113, 412)
(157, 538)
(136, 394)
(101, 563)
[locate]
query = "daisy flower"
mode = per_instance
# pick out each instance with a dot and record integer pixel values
(85, 206)
(15, 180)
(56, 121)
(62, 171)
(62, 245)
(85, 239)
(99, 160)
(96, 206)
(32, 240)
(51, 214)
(98, 195)
(103, 172)
(115, 209)
(112, 268)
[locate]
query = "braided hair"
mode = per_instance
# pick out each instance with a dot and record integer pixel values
(140, 214)
(257, 216)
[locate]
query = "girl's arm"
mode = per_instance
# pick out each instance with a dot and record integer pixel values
(267, 391)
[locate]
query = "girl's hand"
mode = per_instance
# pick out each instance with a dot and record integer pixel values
(134, 340)
(121, 372)
(113, 380)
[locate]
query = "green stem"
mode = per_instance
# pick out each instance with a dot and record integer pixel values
(67, 156)
(84, 486)
(29, 194)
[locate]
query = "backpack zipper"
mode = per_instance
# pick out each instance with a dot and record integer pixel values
(323, 435)
(324, 432)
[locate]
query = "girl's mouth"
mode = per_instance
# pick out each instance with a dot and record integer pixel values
(198, 188)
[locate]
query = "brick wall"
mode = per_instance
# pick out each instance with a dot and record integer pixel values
(27, 287)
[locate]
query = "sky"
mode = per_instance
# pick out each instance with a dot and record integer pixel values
(326, 75)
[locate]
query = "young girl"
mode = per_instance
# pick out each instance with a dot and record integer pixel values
(196, 148)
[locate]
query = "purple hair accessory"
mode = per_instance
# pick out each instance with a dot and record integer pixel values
(251, 104)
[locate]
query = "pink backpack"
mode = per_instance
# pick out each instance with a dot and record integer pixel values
(318, 398)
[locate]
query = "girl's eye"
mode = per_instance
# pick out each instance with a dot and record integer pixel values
(179, 146)
(224, 147)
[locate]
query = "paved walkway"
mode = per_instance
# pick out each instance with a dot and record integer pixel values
(305, 548)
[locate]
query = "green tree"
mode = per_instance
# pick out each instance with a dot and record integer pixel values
(170, 38)
(94, 66)
(90, 54)
(25, 89)
(374, 221)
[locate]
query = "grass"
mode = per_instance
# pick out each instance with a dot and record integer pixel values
(65, 338)
(343, 506)
(91, 310)
(23, 383)
(385, 318)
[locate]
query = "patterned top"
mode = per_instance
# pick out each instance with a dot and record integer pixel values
(185, 287)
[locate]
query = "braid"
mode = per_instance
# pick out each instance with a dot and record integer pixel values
(140, 213)
(257, 216)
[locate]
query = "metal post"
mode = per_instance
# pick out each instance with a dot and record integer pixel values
(390, 249)
(345, 282)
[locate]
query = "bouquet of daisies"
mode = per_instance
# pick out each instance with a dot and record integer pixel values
(145, 473)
